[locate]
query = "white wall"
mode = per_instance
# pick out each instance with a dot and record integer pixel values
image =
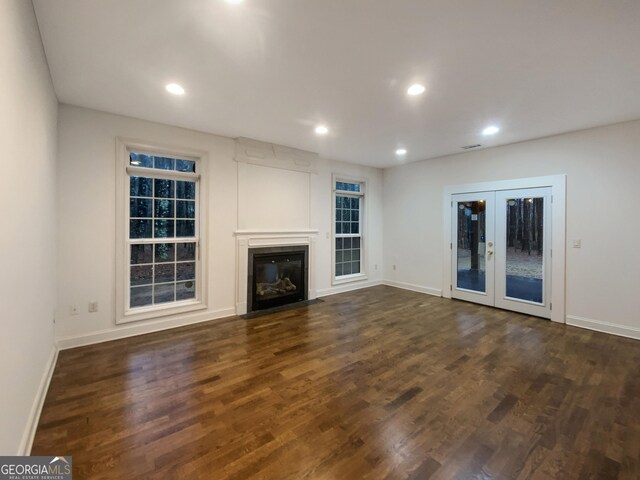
(86, 204)
(28, 109)
(86, 242)
(603, 201)
(272, 198)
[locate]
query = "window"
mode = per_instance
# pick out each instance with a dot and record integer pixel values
(348, 233)
(161, 230)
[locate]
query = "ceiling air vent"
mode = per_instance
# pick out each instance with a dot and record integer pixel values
(469, 147)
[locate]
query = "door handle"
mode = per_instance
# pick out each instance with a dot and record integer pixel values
(489, 252)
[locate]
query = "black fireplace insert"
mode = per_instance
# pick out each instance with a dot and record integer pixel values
(277, 276)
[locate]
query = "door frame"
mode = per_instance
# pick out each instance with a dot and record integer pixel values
(558, 185)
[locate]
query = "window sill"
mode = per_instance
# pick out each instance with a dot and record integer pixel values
(147, 313)
(357, 277)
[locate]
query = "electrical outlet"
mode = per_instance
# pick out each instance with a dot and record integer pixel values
(93, 307)
(394, 267)
(73, 310)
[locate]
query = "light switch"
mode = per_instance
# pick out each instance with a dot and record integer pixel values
(577, 244)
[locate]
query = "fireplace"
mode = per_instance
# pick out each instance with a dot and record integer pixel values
(276, 276)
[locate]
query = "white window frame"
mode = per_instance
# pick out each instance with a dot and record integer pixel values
(125, 314)
(354, 277)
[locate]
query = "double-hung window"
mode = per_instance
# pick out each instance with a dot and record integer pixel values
(162, 234)
(348, 229)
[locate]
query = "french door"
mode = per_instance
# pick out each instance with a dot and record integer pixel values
(501, 249)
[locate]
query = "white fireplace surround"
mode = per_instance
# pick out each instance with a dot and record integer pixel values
(247, 239)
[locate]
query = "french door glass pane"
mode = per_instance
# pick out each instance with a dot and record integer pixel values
(525, 248)
(471, 245)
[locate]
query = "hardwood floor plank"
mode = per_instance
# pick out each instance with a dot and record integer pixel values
(373, 384)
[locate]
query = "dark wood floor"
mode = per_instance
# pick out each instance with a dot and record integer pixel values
(378, 383)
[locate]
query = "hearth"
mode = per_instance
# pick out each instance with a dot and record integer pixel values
(276, 276)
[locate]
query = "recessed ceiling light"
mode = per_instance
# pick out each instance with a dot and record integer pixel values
(175, 89)
(401, 151)
(233, 2)
(491, 130)
(322, 130)
(416, 89)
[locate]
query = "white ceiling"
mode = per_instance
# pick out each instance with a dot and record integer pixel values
(273, 69)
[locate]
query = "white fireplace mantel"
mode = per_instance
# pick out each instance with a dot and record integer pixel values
(247, 239)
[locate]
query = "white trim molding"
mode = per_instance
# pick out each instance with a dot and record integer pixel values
(558, 184)
(142, 328)
(38, 402)
(604, 327)
(348, 287)
(265, 233)
(256, 239)
(271, 155)
(436, 292)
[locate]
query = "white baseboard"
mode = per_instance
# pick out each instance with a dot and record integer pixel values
(414, 288)
(38, 402)
(605, 327)
(131, 330)
(347, 287)
(241, 308)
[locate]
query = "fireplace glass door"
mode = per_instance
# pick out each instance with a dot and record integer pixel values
(278, 279)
